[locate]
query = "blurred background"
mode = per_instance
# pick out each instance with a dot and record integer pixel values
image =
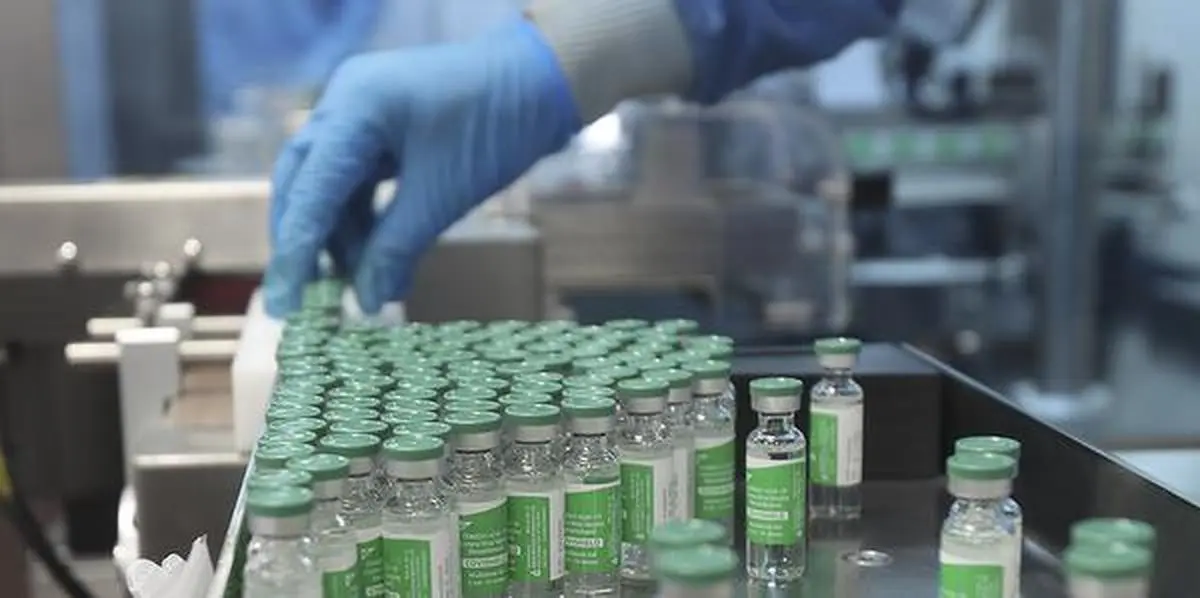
(1019, 203)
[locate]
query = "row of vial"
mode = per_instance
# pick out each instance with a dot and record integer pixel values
(593, 509)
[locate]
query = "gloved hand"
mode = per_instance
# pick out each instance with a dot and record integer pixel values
(453, 124)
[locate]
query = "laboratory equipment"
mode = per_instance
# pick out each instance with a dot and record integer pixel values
(646, 448)
(536, 492)
(715, 431)
(592, 518)
(420, 531)
(477, 476)
(980, 550)
(835, 432)
(776, 484)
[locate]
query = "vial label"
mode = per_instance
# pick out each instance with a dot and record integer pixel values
(775, 501)
(535, 524)
(645, 496)
(370, 562)
(483, 542)
(681, 483)
(714, 478)
(340, 577)
(835, 444)
(420, 565)
(978, 576)
(592, 527)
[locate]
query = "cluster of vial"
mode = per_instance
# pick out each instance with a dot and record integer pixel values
(490, 459)
(982, 536)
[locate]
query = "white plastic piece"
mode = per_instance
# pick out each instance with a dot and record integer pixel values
(176, 578)
(253, 372)
(177, 315)
(391, 314)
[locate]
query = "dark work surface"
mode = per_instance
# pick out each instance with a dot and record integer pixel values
(901, 520)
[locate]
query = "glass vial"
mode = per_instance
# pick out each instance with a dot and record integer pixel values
(360, 504)
(1104, 531)
(647, 458)
(835, 433)
(714, 428)
(978, 546)
(679, 420)
(279, 558)
(336, 540)
(420, 533)
(1010, 448)
(776, 479)
(697, 572)
(1108, 571)
(480, 504)
(592, 522)
(681, 534)
(536, 490)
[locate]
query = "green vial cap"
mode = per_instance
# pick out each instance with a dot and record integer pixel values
(713, 351)
(411, 405)
(498, 355)
(588, 365)
(553, 363)
(1000, 445)
(276, 456)
(470, 366)
(708, 339)
(525, 398)
(588, 381)
(539, 377)
(273, 478)
(412, 447)
(280, 501)
(710, 369)
(358, 403)
(981, 467)
(590, 350)
(679, 534)
(361, 426)
(351, 446)
(395, 417)
(580, 407)
(342, 414)
(1104, 531)
(698, 566)
(776, 387)
(469, 406)
(410, 393)
(673, 378)
(512, 370)
(657, 363)
(532, 414)
(309, 424)
(489, 382)
(299, 436)
(472, 422)
(323, 467)
(618, 372)
(295, 395)
(626, 324)
(640, 388)
(678, 327)
(1117, 561)
(278, 412)
(837, 346)
(536, 387)
(589, 393)
(471, 394)
(433, 428)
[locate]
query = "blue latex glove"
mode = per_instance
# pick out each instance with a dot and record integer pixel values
(454, 124)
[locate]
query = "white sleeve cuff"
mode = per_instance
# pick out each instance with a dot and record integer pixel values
(611, 50)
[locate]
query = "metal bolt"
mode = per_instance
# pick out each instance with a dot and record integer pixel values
(67, 255)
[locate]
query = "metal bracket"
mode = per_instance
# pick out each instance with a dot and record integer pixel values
(149, 375)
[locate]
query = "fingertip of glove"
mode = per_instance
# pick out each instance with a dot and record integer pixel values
(377, 284)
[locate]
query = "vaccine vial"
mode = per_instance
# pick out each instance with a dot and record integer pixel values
(279, 558)
(592, 521)
(536, 492)
(714, 429)
(697, 572)
(776, 479)
(679, 420)
(647, 458)
(420, 533)
(360, 504)
(1010, 448)
(979, 543)
(835, 433)
(1108, 571)
(335, 538)
(476, 474)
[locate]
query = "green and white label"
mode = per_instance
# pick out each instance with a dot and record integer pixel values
(714, 478)
(645, 496)
(370, 562)
(535, 534)
(420, 565)
(339, 578)
(591, 527)
(775, 500)
(977, 576)
(682, 486)
(483, 547)
(835, 444)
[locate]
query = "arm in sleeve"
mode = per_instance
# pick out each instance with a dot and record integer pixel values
(610, 50)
